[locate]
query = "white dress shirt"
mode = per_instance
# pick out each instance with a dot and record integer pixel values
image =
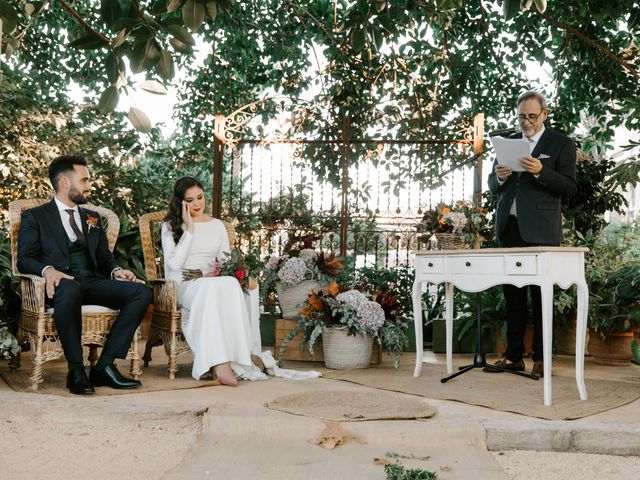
(65, 219)
(533, 141)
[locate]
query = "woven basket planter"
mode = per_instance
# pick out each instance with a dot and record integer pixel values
(292, 298)
(342, 351)
(450, 241)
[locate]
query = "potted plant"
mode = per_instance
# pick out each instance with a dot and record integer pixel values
(391, 288)
(348, 319)
(456, 226)
(613, 276)
(294, 275)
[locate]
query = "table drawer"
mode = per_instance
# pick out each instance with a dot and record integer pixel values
(432, 264)
(524, 265)
(479, 265)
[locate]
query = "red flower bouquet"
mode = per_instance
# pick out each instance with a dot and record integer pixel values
(239, 266)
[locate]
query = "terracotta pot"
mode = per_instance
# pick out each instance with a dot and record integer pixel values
(615, 349)
(564, 339)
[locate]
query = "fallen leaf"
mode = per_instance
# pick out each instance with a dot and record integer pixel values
(334, 435)
(381, 461)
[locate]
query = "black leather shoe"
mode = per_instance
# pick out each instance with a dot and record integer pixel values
(111, 377)
(78, 383)
(538, 368)
(506, 365)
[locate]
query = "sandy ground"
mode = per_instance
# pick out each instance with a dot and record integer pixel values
(58, 438)
(525, 465)
(227, 433)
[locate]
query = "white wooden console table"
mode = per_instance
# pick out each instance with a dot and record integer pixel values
(477, 270)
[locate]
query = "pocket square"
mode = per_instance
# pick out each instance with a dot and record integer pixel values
(542, 156)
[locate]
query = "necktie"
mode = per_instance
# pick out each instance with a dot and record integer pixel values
(74, 227)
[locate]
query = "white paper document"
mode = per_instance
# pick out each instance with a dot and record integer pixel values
(509, 150)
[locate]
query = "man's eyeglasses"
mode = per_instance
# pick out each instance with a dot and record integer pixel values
(532, 117)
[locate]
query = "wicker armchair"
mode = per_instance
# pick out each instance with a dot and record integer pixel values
(36, 326)
(165, 326)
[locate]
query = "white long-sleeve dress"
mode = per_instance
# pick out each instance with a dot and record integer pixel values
(220, 322)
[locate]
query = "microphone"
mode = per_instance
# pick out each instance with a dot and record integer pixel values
(504, 132)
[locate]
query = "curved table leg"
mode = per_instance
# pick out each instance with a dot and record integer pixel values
(581, 331)
(449, 325)
(417, 323)
(547, 338)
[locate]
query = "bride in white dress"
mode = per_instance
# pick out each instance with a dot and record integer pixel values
(220, 322)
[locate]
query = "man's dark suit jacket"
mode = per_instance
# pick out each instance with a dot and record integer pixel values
(44, 241)
(538, 199)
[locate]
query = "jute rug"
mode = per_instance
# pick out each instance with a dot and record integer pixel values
(154, 378)
(504, 391)
(352, 406)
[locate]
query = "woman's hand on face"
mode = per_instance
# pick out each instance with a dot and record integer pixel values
(186, 216)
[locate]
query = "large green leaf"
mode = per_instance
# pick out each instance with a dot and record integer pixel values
(7, 11)
(114, 66)
(9, 17)
(120, 38)
(510, 8)
(541, 5)
(212, 9)
(165, 65)
(193, 15)
(180, 33)
(358, 38)
(125, 22)
(145, 54)
(224, 4)
(180, 46)
(173, 5)
(108, 100)
(154, 87)
(139, 120)
(11, 46)
(31, 7)
(88, 42)
(112, 10)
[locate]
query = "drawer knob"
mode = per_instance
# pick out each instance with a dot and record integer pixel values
(430, 264)
(468, 264)
(518, 264)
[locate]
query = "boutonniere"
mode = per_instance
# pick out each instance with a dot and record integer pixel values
(92, 222)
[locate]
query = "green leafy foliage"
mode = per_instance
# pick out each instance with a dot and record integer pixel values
(9, 347)
(613, 277)
(9, 289)
(396, 471)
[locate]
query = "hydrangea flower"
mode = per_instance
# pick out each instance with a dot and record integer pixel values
(371, 316)
(457, 219)
(309, 255)
(273, 261)
(352, 299)
(292, 271)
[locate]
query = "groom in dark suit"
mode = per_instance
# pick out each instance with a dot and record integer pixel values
(528, 215)
(67, 245)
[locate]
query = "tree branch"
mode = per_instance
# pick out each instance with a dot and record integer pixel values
(81, 21)
(583, 38)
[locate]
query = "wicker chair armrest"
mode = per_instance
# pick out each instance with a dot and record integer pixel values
(33, 289)
(164, 295)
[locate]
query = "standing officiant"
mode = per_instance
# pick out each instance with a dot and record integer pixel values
(528, 215)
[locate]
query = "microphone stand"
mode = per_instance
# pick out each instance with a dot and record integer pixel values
(479, 359)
